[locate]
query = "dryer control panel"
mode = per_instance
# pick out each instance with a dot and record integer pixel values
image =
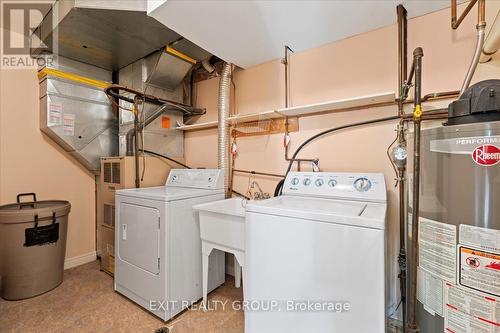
(196, 178)
(339, 185)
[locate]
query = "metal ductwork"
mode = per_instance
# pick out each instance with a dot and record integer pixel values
(223, 135)
(76, 115)
(134, 50)
(170, 69)
(110, 38)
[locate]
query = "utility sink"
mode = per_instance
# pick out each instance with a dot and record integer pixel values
(222, 227)
(223, 222)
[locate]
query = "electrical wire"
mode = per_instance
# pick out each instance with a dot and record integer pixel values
(279, 186)
(331, 130)
(396, 309)
(390, 159)
(143, 122)
(183, 165)
(165, 157)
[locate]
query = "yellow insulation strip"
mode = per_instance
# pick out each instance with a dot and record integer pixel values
(178, 54)
(72, 77)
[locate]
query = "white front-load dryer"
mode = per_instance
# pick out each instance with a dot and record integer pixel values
(158, 260)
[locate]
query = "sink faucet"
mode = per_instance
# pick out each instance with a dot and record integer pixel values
(260, 194)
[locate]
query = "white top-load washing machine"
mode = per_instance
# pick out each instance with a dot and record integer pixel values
(158, 261)
(315, 256)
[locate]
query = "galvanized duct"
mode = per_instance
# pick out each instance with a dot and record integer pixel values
(223, 135)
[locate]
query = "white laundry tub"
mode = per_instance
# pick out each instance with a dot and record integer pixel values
(222, 227)
(223, 222)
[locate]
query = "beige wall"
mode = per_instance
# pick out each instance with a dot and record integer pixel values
(31, 162)
(364, 64)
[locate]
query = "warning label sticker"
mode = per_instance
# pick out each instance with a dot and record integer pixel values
(467, 311)
(483, 238)
(55, 113)
(430, 292)
(479, 270)
(437, 253)
(69, 124)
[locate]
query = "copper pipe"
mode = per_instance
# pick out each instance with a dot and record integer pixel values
(481, 12)
(401, 171)
(441, 95)
(402, 54)
(412, 72)
(259, 173)
(428, 115)
(455, 23)
(453, 12)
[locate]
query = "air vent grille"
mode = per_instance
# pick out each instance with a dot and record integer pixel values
(116, 172)
(107, 172)
(109, 215)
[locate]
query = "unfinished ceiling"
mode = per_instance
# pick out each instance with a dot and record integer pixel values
(247, 33)
(110, 35)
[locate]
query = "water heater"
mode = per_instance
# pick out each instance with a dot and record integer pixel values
(458, 285)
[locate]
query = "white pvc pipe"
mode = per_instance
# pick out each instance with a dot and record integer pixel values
(492, 42)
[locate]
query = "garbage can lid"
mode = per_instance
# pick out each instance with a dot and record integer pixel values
(26, 211)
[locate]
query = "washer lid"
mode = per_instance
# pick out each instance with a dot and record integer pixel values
(362, 214)
(166, 193)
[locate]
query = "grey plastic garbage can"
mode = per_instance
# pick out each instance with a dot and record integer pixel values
(32, 246)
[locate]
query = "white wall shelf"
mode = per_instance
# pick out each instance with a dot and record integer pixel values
(198, 126)
(360, 102)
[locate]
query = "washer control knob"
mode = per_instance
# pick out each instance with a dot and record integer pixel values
(319, 182)
(307, 182)
(332, 183)
(362, 184)
(295, 181)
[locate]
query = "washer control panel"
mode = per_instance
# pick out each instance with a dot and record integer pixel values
(196, 178)
(341, 185)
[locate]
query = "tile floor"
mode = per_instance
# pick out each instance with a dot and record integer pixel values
(86, 302)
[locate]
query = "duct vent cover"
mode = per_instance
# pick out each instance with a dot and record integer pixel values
(116, 173)
(107, 172)
(109, 215)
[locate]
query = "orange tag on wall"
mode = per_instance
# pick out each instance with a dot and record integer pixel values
(165, 122)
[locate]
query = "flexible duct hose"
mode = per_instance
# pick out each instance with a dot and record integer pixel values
(223, 135)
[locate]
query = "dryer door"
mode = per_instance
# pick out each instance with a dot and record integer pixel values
(139, 236)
